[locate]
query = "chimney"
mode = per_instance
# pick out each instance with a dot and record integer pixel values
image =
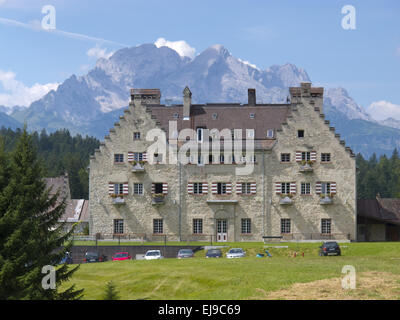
(251, 93)
(187, 101)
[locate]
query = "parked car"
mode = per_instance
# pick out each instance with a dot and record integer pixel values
(119, 256)
(185, 253)
(329, 248)
(236, 253)
(214, 253)
(94, 257)
(153, 255)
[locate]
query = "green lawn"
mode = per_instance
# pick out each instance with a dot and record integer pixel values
(201, 278)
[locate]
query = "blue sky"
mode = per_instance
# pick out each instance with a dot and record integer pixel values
(365, 61)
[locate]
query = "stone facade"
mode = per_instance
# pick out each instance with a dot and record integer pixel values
(247, 217)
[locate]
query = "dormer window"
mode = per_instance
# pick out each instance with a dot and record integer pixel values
(270, 133)
(176, 115)
(215, 116)
(252, 115)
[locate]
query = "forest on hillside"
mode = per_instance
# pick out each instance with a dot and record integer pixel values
(60, 153)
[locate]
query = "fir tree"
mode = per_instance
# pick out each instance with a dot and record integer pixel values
(30, 235)
(110, 292)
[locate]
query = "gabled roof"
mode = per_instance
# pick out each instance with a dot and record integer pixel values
(228, 116)
(382, 209)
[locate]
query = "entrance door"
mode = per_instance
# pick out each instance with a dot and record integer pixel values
(222, 230)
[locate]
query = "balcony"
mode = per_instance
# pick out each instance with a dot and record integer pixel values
(286, 200)
(118, 200)
(158, 199)
(138, 167)
(306, 167)
(325, 200)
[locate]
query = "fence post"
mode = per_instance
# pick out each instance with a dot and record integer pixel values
(211, 239)
(119, 240)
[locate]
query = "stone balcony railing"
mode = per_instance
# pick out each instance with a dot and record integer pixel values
(118, 200)
(158, 199)
(326, 200)
(286, 201)
(137, 168)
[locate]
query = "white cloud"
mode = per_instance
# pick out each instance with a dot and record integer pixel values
(97, 52)
(248, 63)
(381, 110)
(181, 47)
(17, 93)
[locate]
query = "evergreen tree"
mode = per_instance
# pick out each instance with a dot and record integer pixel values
(111, 292)
(30, 235)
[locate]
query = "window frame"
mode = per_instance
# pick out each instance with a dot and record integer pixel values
(245, 226)
(285, 185)
(197, 226)
(286, 225)
(135, 134)
(285, 157)
(327, 224)
(325, 155)
(118, 225)
(305, 186)
(118, 157)
(138, 186)
(158, 226)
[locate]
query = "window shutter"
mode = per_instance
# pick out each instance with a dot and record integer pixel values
(278, 187)
(313, 156)
(298, 156)
(253, 188)
(238, 187)
(190, 188)
(111, 188)
(165, 188)
(144, 156)
(130, 156)
(333, 187)
(318, 187)
(228, 187)
(214, 188)
(293, 187)
(205, 187)
(125, 190)
(153, 188)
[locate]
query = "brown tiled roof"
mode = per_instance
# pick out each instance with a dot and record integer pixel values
(384, 210)
(72, 208)
(59, 184)
(229, 116)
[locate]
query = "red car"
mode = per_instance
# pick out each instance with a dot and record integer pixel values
(121, 256)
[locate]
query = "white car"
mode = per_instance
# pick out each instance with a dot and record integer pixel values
(236, 253)
(153, 255)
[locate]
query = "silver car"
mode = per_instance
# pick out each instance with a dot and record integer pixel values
(236, 253)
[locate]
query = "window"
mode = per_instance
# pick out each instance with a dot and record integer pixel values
(285, 157)
(246, 226)
(138, 156)
(246, 188)
(270, 133)
(305, 188)
(306, 156)
(198, 188)
(252, 115)
(250, 133)
(325, 187)
(285, 187)
(285, 226)
(136, 136)
(221, 158)
(214, 116)
(325, 157)
(200, 159)
(253, 159)
(138, 188)
(118, 188)
(300, 133)
(158, 226)
(221, 188)
(176, 115)
(157, 157)
(197, 226)
(326, 226)
(118, 226)
(200, 134)
(118, 158)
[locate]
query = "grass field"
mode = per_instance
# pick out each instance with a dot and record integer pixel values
(280, 277)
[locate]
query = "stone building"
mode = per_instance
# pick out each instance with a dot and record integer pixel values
(288, 174)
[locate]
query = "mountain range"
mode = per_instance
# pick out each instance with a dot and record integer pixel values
(91, 104)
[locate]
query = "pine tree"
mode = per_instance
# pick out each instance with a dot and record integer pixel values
(110, 292)
(30, 235)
